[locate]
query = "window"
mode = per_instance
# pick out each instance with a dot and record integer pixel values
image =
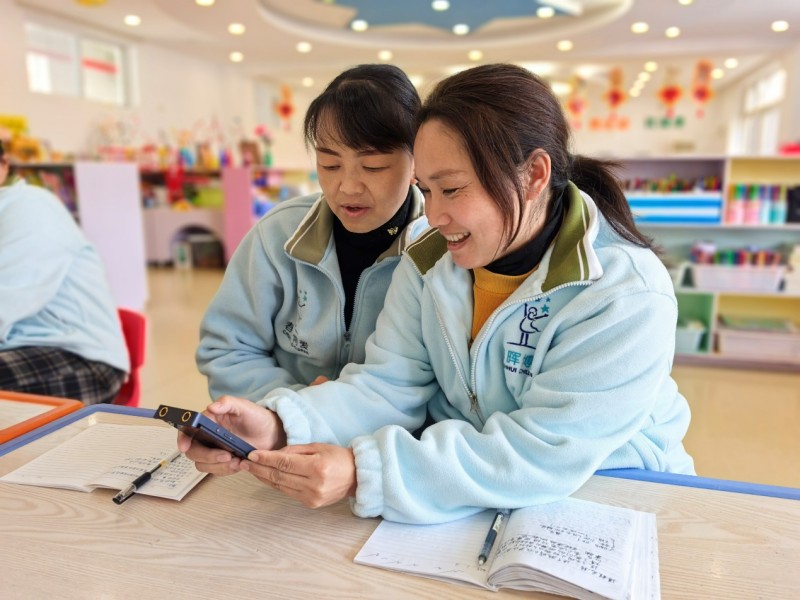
(756, 129)
(67, 64)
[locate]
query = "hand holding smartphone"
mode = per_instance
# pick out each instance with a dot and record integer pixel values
(202, 429)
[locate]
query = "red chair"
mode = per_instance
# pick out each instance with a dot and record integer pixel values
(133, 327)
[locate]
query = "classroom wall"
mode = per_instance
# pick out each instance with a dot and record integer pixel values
(176, 91)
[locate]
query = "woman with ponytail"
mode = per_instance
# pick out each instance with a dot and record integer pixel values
(531, 331)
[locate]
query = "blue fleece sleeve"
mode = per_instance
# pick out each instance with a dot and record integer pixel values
(391, 387)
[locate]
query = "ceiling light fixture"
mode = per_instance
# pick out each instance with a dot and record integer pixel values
(385, 55)
(307, 82)
(440, 5)
(672, 32)
(731, 63)
(359, 25)
(303, 47)
(685, 2)
(475, 55)
(461, 29)
(717, 73)
(236, 57)
(236, 29)
(564, 45)
(204, 2)
(640, 27)
(133, 20)
(780, 26)
(651, 66)
(545, 12)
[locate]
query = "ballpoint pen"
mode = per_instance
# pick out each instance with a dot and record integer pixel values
(492, 535)
(137, 483)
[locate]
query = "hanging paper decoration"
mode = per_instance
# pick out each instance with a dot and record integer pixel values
(285, 106)
(576, 101)
(670, 93)
(701, 85)
(615, 96)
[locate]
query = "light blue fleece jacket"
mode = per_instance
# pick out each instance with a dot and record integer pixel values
(53, 289)
(277, 319)
(569, 375)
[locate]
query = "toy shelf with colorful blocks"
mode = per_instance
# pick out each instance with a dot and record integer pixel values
(730, 313)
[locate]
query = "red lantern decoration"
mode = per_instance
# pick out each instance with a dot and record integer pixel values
(576, 102)
(701, 85)
(285, 106)
(615, 96)
(670, 93)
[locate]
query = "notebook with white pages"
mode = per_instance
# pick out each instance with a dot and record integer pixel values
(572, 548)
(108, 455)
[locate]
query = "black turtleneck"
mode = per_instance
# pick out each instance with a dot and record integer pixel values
(524, 259)
(357, 251)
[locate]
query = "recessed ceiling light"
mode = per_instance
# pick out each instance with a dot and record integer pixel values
(416, 80)
(672, 32)
(780, 26)
(651, 66)
(461, 29)
(564, 45)
(440, 5)
(644, 76)
(204, 2)
(385, 55)
(236, 29)
(307, 82)
(685, 2)
(475, 55)
(545, 12)
(640, 27)
(731, 63)
(236, 56)
(560, 88)
(303, 47)
(359, 25)
(717, 73)
(133, 20)
(635, 92)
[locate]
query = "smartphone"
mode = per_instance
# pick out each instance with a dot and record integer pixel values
(202, 429)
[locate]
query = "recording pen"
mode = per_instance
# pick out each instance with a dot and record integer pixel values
(492, 535)
(142, 479)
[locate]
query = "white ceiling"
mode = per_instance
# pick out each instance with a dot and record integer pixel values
(710, 29)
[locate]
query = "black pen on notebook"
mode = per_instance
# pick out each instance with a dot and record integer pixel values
(137, 483)
(492, 535)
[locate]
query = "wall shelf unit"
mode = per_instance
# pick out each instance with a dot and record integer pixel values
(678, 219)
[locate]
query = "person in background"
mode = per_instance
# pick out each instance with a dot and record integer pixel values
(303, 289)
(60, 333)
(534, 327)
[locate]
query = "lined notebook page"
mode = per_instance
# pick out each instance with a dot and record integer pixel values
(12, 412)
(447, 551)
(111, 455)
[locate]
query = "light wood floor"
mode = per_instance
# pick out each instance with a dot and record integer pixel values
(745, 424)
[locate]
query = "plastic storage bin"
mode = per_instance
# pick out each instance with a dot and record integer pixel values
(743, 278)
(759, 345)
(688, 339)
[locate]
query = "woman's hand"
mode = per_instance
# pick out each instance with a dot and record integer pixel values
(315, 474)
(251, 422)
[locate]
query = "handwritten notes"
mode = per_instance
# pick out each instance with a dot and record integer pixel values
(572, 547)
(111, 456)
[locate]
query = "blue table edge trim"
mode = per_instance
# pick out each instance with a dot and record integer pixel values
(722, 485)
(81, 413)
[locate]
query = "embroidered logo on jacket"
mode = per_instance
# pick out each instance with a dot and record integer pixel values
(292, 330)
(520, 361)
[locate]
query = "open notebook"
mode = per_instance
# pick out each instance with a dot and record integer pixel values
(572, 547)
(108, 455)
